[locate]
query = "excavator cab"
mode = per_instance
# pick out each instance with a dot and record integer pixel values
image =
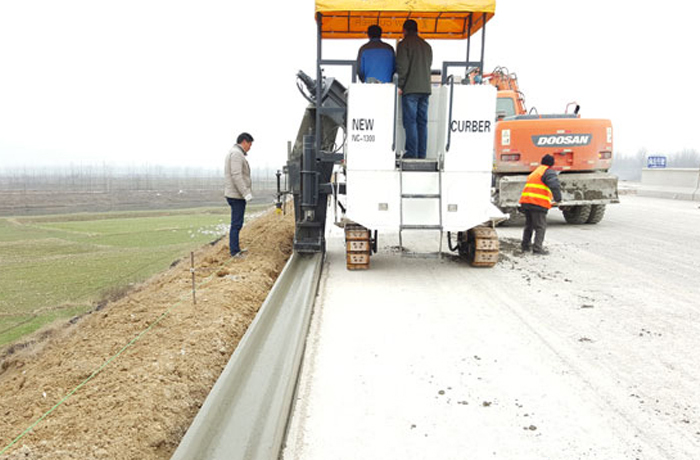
(376, 188)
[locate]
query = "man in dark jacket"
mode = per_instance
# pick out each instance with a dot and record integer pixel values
(375, 60)
(414, 56)
(541, 190)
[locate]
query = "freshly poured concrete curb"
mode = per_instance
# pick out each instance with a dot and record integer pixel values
(245, 415)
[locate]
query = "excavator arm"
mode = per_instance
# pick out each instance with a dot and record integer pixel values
(503, 80)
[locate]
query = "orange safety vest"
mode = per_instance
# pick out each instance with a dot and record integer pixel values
(535, 191)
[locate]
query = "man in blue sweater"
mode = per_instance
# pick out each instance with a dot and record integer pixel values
(375, 60)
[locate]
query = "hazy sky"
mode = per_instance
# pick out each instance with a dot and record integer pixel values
(174, 82)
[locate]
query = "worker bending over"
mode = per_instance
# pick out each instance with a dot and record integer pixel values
(541, 191)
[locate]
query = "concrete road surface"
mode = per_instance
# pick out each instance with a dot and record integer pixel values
(592, 352)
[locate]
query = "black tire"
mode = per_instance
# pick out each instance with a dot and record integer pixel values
(597, 213)
(577, 215)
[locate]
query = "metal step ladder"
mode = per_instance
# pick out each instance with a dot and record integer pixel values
(418, 166)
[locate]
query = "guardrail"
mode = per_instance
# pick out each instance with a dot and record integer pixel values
(245, 415)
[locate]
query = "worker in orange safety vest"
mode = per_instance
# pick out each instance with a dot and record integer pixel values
(541, 191)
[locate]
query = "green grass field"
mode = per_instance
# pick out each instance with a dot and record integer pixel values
(54, 267)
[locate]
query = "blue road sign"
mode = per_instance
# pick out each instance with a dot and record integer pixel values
(656, 162)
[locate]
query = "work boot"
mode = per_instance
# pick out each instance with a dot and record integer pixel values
(540, 251)
(525, 247)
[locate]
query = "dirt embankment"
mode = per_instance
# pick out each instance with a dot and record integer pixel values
(142, 401)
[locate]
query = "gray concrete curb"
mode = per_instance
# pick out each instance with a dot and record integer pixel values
(245, 415)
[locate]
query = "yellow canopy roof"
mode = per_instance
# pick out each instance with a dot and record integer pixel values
(446, 19)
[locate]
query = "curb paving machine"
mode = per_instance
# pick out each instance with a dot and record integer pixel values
(582, 149)
(372, 185)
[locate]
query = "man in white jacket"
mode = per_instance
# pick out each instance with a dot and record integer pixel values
(237, 189)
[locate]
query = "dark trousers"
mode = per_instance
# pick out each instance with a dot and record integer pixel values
(237, 212)
(535, 222)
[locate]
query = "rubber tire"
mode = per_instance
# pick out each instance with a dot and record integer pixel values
(577, 215)
(597, 213)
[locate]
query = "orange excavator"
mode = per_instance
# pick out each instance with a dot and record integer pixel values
(582, 149)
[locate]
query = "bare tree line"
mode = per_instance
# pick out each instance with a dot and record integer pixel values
(87, 188)
(629, 167)
(106, 179)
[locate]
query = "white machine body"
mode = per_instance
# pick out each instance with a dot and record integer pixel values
(457, 197)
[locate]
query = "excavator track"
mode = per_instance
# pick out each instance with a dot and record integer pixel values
(480, 246)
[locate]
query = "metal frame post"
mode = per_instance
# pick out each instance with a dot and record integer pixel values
(483, 40)
(309, 178)
(319, 79)
(469, 42)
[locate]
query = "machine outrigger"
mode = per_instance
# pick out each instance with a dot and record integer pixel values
(374, 187)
